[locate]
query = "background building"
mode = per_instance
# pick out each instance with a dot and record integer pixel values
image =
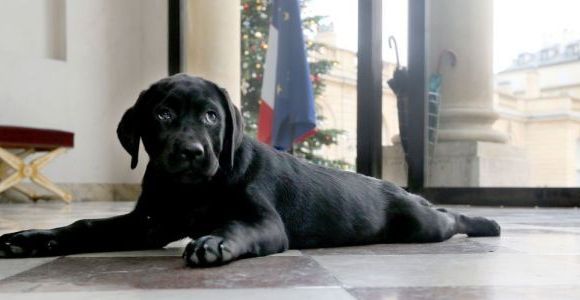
(338, 101)
(537, 100)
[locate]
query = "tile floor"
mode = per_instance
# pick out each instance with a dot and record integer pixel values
(537, 257)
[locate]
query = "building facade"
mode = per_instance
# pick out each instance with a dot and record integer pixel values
(338, 101)
(537, 100)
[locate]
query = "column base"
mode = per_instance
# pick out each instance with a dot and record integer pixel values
(469, 124)
(395, 167)
(478, 164)
(464, 164)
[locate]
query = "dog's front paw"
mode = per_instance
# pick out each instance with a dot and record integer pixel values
(209, 250)
(28, 243)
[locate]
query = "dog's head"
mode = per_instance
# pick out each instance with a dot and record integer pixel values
(189, 127)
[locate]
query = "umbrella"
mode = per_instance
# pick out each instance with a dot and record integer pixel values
(434, 101)
(399, 84)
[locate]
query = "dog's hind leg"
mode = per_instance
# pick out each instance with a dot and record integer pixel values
(412, 221)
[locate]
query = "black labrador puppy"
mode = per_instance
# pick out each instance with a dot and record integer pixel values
(236, 197)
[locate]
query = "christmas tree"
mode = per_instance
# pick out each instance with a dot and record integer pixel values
(255, 21)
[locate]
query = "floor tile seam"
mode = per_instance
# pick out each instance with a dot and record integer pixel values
(523, 286)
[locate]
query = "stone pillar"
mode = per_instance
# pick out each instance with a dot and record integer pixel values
(465, 27)
(212, 42)
(469, 152)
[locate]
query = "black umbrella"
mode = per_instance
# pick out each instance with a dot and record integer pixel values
(399, 84)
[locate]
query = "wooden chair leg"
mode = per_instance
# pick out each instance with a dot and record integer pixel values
(32, 171)
(10, 159)
(44, 182)
(42, 161)
(11, 181)
(4, 168)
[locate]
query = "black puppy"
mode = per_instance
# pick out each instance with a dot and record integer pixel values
(236, 197)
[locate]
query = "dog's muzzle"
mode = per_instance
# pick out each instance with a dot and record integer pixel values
(192, 151)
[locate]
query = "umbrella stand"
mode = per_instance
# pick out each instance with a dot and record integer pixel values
(434, 102)
(399, 85)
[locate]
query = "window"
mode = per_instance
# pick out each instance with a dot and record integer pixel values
(500, 144)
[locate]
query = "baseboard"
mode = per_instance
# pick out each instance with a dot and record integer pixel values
(81, 192)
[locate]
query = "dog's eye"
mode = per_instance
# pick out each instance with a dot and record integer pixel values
(164, 115)
(210, 117)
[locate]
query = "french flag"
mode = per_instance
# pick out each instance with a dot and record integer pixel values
(287, 110)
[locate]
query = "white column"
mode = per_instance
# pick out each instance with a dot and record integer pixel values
(465, 27)
(212, 42)
(469, 152)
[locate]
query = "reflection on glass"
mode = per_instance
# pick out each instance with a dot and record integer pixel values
(509, 108)
(330, 38)
(330, 31)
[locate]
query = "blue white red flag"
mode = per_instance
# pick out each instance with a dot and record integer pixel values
(287, 110)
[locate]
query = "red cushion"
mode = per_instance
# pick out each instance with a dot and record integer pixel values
(41, 139)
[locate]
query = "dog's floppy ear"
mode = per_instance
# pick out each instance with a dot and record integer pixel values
(129, 133)
(234, 131)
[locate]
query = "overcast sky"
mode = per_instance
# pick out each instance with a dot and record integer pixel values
(519, 25)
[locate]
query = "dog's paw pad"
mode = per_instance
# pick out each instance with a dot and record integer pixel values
(207, 251)
(28, 243)
(226, 253)
(209, 255)
(191, 260)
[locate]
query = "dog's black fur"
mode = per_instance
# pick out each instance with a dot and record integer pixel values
(236, 197)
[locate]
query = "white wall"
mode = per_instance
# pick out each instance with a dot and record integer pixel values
(112, 50)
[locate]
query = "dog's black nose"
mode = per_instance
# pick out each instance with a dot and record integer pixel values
(191, 151)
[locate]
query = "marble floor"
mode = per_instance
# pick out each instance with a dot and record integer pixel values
(537, 257)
